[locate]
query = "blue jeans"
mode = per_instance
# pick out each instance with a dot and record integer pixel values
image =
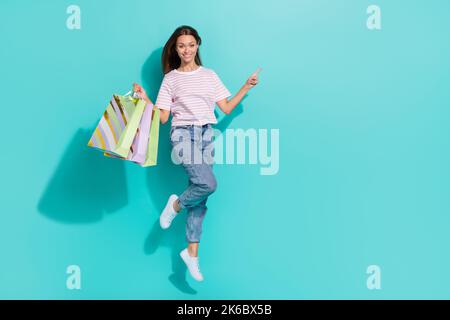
(193, 148)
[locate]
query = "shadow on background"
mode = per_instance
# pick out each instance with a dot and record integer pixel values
(85, 184)
(167, 179)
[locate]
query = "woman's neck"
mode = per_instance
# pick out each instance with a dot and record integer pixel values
(187, 67)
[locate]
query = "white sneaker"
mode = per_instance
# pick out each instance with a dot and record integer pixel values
(192, 264)
(169, 213)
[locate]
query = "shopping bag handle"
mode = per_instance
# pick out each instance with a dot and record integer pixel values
(132, 94)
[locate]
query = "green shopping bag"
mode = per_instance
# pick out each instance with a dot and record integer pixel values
(152, 149)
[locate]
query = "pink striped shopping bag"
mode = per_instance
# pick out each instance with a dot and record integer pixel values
(118, 126)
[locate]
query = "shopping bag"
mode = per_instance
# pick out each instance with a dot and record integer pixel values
(139, 147)
(118, 125)
(152, 148)
(144, 149)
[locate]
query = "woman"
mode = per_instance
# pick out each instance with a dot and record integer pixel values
(190, 91)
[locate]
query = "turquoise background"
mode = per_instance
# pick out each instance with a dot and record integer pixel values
(364, 152)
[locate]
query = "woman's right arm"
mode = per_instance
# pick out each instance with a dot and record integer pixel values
(163, 114)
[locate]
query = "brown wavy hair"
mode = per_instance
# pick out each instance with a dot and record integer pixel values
(170, 59)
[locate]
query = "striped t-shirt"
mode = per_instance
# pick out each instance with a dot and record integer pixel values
(191, 96)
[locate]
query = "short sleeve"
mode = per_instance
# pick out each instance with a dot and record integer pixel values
(220, 91)
(164, 99)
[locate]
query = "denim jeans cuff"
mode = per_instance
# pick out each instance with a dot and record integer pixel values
(181, 205)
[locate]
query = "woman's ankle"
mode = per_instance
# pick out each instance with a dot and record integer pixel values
(176, 205)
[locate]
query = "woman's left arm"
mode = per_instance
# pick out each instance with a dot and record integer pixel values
(228, 105)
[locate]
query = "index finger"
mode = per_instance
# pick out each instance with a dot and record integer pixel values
(256, 72)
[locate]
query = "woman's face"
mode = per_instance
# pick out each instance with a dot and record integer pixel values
(186, 48)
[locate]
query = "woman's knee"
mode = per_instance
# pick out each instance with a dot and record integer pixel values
(210, 185)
